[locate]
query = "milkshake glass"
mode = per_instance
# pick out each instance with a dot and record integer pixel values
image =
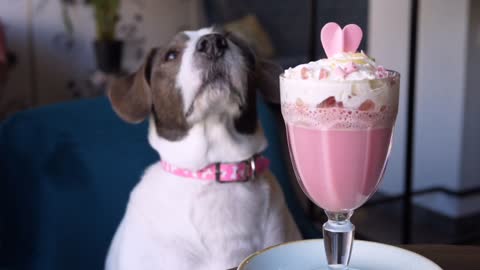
(339, 114)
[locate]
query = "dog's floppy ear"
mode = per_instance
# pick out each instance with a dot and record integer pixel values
(267, 78)
(265, 73)
(131, 96)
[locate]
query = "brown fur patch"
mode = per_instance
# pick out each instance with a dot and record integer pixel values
(131, 96)
(262, 76)
(152, 90)
(246, 123)
(168, 105)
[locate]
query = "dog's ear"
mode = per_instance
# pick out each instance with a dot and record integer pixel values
(267, 79)
(265, 73)
(131, 96)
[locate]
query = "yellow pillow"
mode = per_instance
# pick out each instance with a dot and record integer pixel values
(249, 29)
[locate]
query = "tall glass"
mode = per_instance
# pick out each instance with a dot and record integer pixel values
(339, 136)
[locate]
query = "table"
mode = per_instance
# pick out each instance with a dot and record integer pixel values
(449, 257)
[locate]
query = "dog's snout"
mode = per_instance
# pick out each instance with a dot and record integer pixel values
(212, 45)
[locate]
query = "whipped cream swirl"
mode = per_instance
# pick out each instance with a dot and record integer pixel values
(341, 67)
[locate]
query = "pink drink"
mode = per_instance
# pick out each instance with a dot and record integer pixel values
(339, 142)
(339, 169)
(339, 113)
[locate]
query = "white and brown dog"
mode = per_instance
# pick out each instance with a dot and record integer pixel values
(200, 94)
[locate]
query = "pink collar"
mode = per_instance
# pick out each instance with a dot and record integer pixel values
(223, 172)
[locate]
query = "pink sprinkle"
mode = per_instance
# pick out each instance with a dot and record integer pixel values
(381, 72)
(323, 74)
(340, 72)
(367, 105)
(380, 75)
(351, 67)
(304, 73)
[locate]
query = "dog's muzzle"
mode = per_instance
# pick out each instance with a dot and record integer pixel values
(212, 46)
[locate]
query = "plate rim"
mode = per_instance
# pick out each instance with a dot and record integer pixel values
(257, 253)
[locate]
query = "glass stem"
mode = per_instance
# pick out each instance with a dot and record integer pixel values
(338, 235)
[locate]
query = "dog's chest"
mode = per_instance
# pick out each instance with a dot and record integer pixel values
(207, 214)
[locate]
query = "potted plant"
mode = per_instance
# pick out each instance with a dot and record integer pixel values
(108, 49)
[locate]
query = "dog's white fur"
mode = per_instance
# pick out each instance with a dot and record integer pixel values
(175, 223)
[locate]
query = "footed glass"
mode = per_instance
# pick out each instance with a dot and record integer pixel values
(339, 137)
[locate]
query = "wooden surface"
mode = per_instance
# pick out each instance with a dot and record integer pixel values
(448, 257)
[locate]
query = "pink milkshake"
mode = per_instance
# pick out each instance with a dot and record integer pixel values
(339, 127)
(343, 168)
(339, 113)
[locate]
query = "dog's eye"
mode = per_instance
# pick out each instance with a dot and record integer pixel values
(170, 55)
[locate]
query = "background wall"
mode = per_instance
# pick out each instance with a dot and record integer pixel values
(17, 93)
(54, 65)
(446, 151)
(442, 56)
(388, 42)
(471, 143)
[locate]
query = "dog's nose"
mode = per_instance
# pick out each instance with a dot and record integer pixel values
(212, 45)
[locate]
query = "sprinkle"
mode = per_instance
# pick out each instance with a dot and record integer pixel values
(323, 74)
(327, 103)
(381, 72)
(367, 105)
(299, 102)
(359, 61)
(304, 73)
(350, 68)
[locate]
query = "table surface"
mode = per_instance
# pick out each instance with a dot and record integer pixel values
(449, 257)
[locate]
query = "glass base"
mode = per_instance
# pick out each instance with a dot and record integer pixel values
(338, 267)
(328, 268)
(338, 235)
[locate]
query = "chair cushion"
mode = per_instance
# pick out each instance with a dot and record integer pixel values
(65, 175)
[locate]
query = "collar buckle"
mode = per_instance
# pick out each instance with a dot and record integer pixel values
(249, 171)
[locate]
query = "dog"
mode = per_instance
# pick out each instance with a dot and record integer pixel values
(199, 92)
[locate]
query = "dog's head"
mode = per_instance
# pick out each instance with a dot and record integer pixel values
(199, 74)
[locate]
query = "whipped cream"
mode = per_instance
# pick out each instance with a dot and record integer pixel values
(350, 80)
(342, 66)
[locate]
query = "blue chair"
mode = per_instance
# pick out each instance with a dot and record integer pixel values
(65, 175)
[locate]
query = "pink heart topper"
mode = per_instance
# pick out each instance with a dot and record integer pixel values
(336, 40)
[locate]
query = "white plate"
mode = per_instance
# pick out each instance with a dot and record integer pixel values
(310, 255)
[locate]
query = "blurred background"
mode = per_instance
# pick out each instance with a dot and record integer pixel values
(54, 55)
